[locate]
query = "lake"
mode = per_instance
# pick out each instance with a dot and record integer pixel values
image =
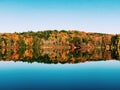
(59, 69)
(99, 75)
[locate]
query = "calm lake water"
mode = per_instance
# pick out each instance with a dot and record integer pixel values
(100, 75)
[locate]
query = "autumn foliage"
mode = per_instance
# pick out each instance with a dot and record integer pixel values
(59, 46)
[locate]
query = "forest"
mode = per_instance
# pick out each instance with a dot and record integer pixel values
(53, 46)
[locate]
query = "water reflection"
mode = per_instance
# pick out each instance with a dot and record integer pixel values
(57, 55)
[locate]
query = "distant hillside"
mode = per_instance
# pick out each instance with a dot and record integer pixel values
(59, 46)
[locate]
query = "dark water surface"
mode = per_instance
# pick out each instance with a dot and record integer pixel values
(100, 75)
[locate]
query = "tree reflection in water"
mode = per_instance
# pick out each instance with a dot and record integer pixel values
(55, 56)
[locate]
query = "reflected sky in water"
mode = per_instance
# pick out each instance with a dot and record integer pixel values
(88, 75)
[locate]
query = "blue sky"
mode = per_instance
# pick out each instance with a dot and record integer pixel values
(86, 15)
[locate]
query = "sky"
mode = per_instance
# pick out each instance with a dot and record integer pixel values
(83, 15)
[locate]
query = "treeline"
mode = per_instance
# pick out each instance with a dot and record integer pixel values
(58, 46)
